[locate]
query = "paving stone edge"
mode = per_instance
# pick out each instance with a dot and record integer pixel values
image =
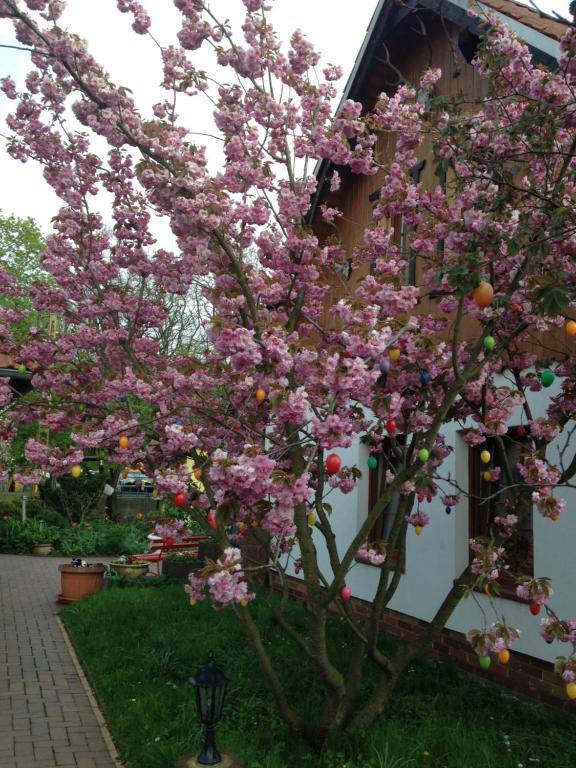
(108, 740)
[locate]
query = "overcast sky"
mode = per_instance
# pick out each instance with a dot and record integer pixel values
(337, 28)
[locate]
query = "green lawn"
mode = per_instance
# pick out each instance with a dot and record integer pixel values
(140, 645)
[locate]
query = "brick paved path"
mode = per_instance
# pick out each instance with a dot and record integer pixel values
(46, 720)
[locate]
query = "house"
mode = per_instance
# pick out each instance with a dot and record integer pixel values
(402, 40)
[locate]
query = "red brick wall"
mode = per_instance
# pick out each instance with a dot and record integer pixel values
(524, 676)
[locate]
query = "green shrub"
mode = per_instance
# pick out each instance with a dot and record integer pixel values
(16, 536)
(75, 498)
(12, 508)
(102, 537)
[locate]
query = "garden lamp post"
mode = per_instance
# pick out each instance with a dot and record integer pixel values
(210, 685)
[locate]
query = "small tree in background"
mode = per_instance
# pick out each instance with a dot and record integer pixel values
(289, 376)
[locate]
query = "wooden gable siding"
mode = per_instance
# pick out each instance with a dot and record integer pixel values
(411, 54)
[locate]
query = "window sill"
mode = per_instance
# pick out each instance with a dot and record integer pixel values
(394, 566)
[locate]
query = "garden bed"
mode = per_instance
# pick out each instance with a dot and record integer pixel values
(141, 645)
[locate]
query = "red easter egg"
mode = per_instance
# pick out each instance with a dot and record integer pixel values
(333, 463)
(535, 609)
(180, 499)
(346, 593)
(391, 426)
(520, 431)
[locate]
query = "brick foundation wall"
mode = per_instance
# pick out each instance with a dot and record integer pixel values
(524, 675)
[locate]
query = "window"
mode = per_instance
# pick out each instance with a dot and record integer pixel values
(387, 459)
(491, 498)
(402, 233)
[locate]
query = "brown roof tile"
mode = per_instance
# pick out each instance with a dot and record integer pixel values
(542, 22)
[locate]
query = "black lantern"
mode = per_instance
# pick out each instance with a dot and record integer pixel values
(210, 685)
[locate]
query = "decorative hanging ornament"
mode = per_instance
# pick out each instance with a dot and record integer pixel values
(384, 364)
(571, 690)
(504, 656)
(535, 609)
(390, 426)
(123, 442)
(179, 422)
(423, 454)
(22, 368)
(180, 499)
(424, 378)
(212, 520)
(311, 518)
(372, 462)
(197, 474)
(487, 476)
(571, 328)
(485, 457)
(418, 530)
(520, 431)
(76, 471)
(333, 463)
(484, 662)
(346, 593)
(260, 395)
(547, 377)
(489, 343)
(244, 602)
(192, 602)
(448, 510)
(483, 294)
(394, 354)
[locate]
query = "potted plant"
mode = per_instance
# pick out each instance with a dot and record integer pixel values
(127, 568)
(40, 537)
(178, 565)
(80, 579)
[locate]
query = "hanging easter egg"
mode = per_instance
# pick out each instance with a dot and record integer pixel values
(504, 656)
(489, 343)
(212, 520)
(180, 499)
(547, 377)
(394, 354)
(311, 518)
(76, 471)
(384, 364)
(554, 516)
(192, 602)
(424, 378)
(333, 463)
(485, 457)
(179, 422)
(520, 431)
(571, 690)
(197, 474)
(244, 602)
(535, 609)
(22, 368)
(484, 661)
(483, 294)
(448, 510)
(486, 589)
(420, 498)
(260, 395)
(372, 462)
(487, 476)
(123, 442)
(391, 426)
(418, 530)
(423, 454)
(571, 328)
(346, 593)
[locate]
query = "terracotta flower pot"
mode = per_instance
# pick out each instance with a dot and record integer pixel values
(41, 549)
(130, 570)
(77, 583)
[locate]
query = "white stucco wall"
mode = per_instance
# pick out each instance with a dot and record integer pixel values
(436, 557)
